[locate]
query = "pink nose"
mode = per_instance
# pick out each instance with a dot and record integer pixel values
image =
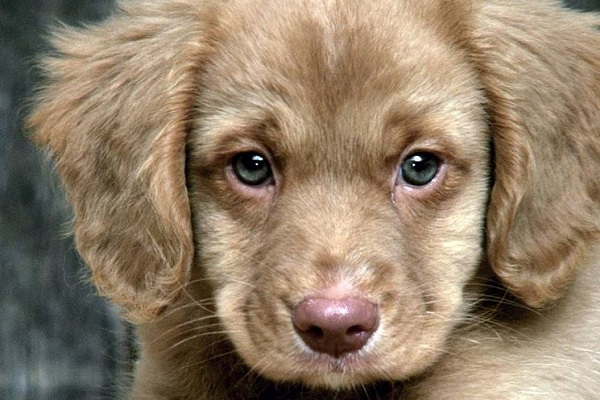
(336, 326)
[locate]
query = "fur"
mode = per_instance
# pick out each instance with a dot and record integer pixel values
(484, 279)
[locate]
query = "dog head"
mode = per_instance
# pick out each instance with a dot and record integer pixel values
(334, 174)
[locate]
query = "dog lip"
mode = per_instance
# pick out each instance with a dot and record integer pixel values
(354, 362)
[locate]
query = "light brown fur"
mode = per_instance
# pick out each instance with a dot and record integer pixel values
(485, 280)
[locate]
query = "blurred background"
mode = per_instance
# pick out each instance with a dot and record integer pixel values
(58, 339)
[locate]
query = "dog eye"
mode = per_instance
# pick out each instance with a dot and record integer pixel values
(419, 169)
(251, 168)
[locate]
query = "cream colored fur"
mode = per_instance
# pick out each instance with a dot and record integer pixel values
(485, 279)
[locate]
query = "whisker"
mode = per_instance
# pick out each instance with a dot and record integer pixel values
(197, 336)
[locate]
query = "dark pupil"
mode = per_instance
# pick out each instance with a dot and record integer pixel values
(251, 168)
(420, 169)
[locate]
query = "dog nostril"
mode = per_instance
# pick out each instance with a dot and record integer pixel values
(315, 332)
(335, 326)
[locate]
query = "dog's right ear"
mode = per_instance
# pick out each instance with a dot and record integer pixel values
(541, 75)
(115, 113)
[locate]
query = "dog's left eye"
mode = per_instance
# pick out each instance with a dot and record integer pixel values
(251, 168)
(419, 169)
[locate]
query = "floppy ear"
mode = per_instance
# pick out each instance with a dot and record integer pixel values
(540, 66)
(114, 114)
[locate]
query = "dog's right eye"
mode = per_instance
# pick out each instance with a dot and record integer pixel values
(419, 169)
(252, 169)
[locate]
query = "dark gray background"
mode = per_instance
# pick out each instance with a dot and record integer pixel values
(58, 340)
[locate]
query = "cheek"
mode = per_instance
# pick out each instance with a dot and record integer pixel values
(225, 251)
(222, 245)
(443, 238)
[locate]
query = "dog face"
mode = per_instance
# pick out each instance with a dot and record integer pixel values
(313, 182)
(338, 168)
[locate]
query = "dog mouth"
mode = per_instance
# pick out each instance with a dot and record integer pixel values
(347, 364)
(334, 339)
(341, 354)
(338, 352)
(336, 373)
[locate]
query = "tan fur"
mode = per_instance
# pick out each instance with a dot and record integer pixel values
(144, 113)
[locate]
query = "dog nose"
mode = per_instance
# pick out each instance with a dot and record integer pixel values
(335, 326)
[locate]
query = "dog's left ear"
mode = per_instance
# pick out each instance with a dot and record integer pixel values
(540, 68)
(115, 114)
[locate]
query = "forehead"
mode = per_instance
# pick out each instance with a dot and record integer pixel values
(350, 77)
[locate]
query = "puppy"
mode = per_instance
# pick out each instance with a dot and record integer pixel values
(391, 199)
